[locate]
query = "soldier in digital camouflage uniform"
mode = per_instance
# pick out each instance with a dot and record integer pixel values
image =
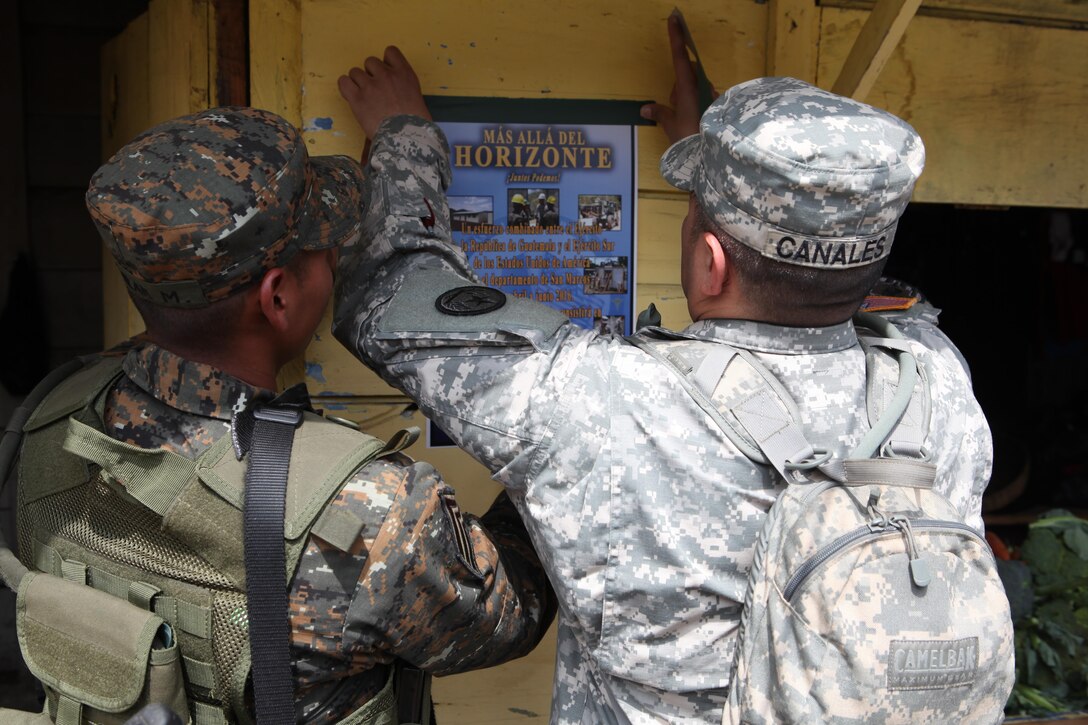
(226, 234)
(643, 512)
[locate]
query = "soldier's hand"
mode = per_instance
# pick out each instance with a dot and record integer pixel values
(382, 88)
(681, 119)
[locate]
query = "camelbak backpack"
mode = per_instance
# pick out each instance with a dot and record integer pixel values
(870, 600)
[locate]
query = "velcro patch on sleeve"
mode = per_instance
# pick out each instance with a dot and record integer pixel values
(424, 300)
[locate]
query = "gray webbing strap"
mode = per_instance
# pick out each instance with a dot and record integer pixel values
(201, 674)
(766, 420)
(204, 714)
(889, 472)
(734, 432)
(400, 440)
(712, 368)
(154, 477)
(265, 560)
(768, 426)
(907, 439)
(779, 436)
(69, 711)
(908, 376)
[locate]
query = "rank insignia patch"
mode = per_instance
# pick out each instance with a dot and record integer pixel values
(470, 301)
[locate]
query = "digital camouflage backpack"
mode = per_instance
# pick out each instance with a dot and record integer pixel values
(869, 599)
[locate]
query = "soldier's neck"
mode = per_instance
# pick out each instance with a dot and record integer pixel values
(250, 363)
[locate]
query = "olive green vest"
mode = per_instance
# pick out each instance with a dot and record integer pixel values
(168, 540)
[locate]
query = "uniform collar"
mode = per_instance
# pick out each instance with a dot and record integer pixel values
(765, 337)
(189, 386)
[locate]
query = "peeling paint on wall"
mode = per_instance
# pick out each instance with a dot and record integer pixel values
(321, 123)
(316, 372)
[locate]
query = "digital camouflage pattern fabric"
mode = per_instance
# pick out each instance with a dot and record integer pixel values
(422, 582)
(643, 513)
(801, 175)
(907, 623)
(198, 207)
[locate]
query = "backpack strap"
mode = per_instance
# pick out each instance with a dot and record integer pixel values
(907, 438)
(893, 419)
(765, 425)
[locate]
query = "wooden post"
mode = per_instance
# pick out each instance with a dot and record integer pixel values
(793, 39)
(230, 43)
(874, 45)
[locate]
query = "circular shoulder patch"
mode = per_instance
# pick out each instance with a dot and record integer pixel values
(470, 301)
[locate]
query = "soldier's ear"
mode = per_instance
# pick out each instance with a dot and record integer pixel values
(715, 267)
(274, 298)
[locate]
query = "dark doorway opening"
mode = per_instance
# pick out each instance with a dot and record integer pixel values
(1013, 287)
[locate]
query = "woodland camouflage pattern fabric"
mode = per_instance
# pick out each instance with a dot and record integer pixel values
(197, 207)
(422, 582)
(643, 512)
(801, 175)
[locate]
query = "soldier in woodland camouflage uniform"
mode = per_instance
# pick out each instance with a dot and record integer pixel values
(643, 512)
(227, 234)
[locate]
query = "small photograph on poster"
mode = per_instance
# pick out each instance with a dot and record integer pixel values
(610, 325)
(518, 211)
(466, 211)
(600, 210)
(605, 276)
(545, 206)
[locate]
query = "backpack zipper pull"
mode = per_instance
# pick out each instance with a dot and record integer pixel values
(919, 568)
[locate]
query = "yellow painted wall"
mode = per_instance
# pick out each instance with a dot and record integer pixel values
(1000, 106)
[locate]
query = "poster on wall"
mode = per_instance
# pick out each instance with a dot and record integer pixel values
(547, 212)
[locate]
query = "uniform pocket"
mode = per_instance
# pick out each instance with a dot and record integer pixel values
(100, 658)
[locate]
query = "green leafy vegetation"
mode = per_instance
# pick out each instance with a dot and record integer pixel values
(1048, 593)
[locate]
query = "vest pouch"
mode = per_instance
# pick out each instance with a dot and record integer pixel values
(380, 709)
(100, 658)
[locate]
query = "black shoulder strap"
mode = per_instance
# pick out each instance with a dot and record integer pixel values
(266, 565)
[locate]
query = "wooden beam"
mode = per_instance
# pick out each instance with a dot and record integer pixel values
(178, 58)
(874, 45)
(230, 52)
(793, 38)
(275, 57)
(1071, 14)
(126, 95)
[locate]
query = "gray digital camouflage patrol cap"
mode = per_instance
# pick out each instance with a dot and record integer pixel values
(198, 207)
(799, 174)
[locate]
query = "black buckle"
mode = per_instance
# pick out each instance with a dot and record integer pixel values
(276, 414)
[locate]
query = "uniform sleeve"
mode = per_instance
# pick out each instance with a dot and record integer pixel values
(496, 381)
(431, 585)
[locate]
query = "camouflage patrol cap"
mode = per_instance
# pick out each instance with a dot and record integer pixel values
(800, 174)
(198, 207)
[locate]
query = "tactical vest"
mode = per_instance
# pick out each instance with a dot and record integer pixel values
(164, 534)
